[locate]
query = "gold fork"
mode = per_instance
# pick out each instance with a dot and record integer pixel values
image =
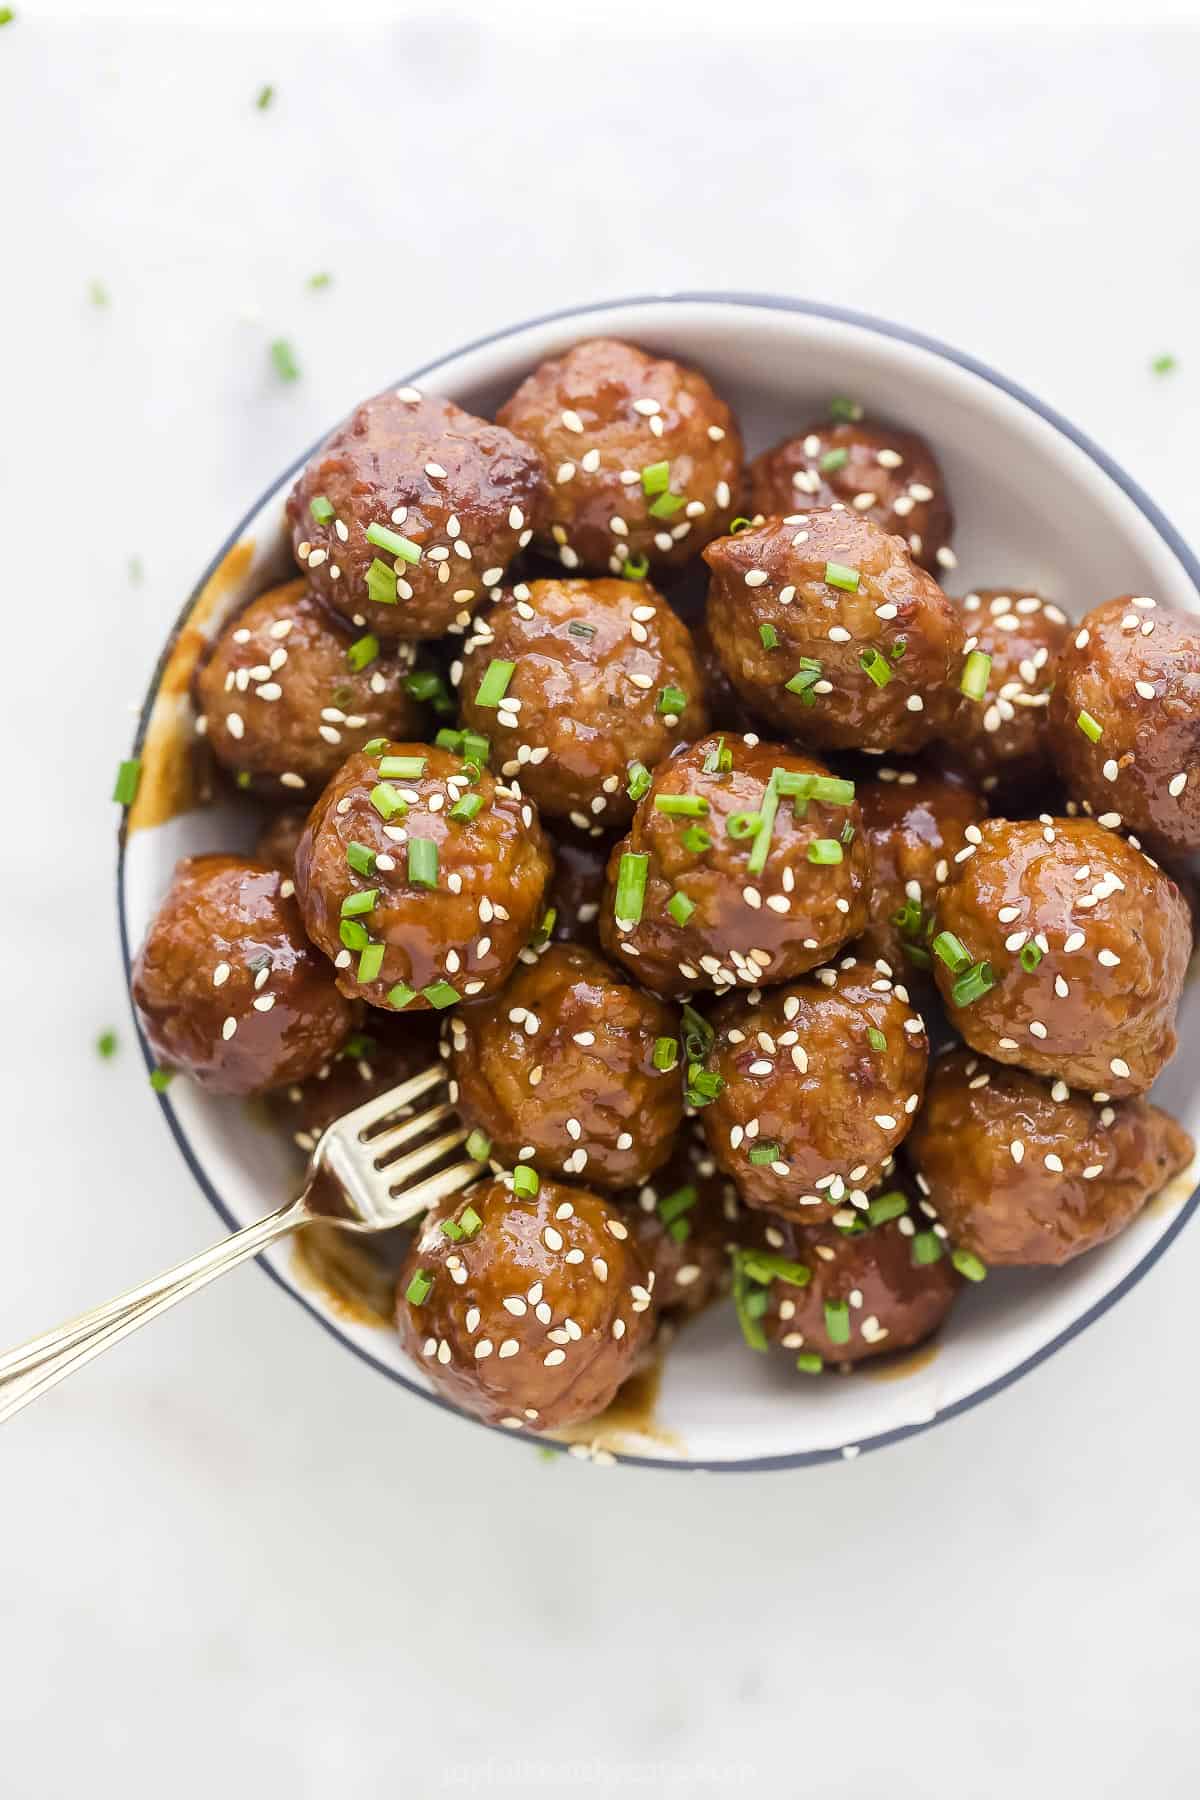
(378, 1184)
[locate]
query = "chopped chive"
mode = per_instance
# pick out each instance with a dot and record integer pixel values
(679, 1231)
(161, 1079)
(419, 1288)
(449, 739)
(242, 778)
(971, 986)
(952, 951)
(749, 1305)
(824, 850)
(837, 1321)
(402, 768)
(525, 1181)
(388, 801)
(898, 648)
(969, 1265)
(361, 858)
(742, 825)
(804, 680)
(672, 1206)
(283, 359)
(129, 775)
(1164, 365)
(926, 1247)
(718, 760)
(738, 525)
(1031, 956)
(358, 1044)
(639, 781)
(322, 279)
(97, 293)
(703, 1085)
(809, 1363)
(7, 15)
(698, 1034)
(766, 1266)
(909, 918)
(1091, 728)
(847, 833)
(370, 962)
(363, 652)
(401, 996)
(769, 636)
(362, 902)
(453, 1230)
(666, 1053)
(833, 460)
(635, 568)
(581, 629)
(440, 995)
(470, 1220)
(838, 575)
(892, 1205)
(321, 509)
(425, 684)
(466, 808)
(476, 748)
(763, 1154)
(696, 839)
(106, 1044)
(680, 908)
(666, 506)
(656, 478)
(423, 862)
(494, 685)
(353, 935)
(975, 675)
(849, 411)
(756, 862)
(375, 747)
(543, 933)
(384, 538)
(682, 806)
(917, 956)
(264, 97)
(381, 583)
(631, 888)
(671, 700)
(876, 1040)
(876, 667)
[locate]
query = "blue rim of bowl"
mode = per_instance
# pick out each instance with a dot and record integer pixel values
(769, 303)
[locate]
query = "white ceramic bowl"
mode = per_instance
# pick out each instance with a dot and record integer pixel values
(1035, 504)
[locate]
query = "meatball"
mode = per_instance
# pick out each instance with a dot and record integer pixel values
(279, 836)
(1019, 1170)
(1125, 721)
(576, 683)
(890, 477)
(916, 824)
(1000, 731)
(574, 894)
(685, 1220)
(410, 511)
(644, 462)
(726, 708)
(533, 1310)
(746, 862)
(842, 1293)
(573, 1068)
(828, 630)
(1061, 948)
(288, 691)
(421, 876)
(227, 987)
(386, 1051)
(815, 1086)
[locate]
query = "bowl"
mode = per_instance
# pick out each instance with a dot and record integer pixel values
(1036, 503)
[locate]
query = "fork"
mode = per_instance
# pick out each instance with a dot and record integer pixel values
(378, 1184)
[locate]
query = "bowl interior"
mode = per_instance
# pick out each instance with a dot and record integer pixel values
(1035, 509)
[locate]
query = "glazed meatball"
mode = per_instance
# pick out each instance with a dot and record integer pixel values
(533, 1311)
(228, 988)
(575, 892)
(1125, 721)
(575, 683)
(289, 691)
(386, 1051)
(643, 461)
(816, 1085)
(1020, 1170)
(279, 836)
(1001, 729)
(684, 1221)
(421, 876)
(746, 862)
(890, 477)
(726, 708)
(827, 629)
(916, 823)
(410, 511)
(841, 1294)
(573, 1068)
(1061, 948)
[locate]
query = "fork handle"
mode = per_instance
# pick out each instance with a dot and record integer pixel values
(33, 1368)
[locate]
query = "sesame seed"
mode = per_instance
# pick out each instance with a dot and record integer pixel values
(1120, 1067)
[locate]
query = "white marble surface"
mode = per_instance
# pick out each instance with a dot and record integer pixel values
(230, 1555)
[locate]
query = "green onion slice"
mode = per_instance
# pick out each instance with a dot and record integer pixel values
(656, 478)
(969, 1265)
(1090, 727)
(525, 1181)
(384, 538)
(494, 685)
(769, 636)
(419, 1288)
(440, 995)
(321, 509)
(638, 784)
(682, 806)
(876, 667)
(361, 859)
(838, 575)
(401, 995)
(671, 700)
(680, 908)
(833, 460)
(370, 962)
(631, 888)
(892, 1205)
(952, 951)
(387, 801)
(381, 584)
(973, 984)
(666, 1053)
(129, 775)
(976, 670)
(423, 862)
(824, 850)
(401, 768)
